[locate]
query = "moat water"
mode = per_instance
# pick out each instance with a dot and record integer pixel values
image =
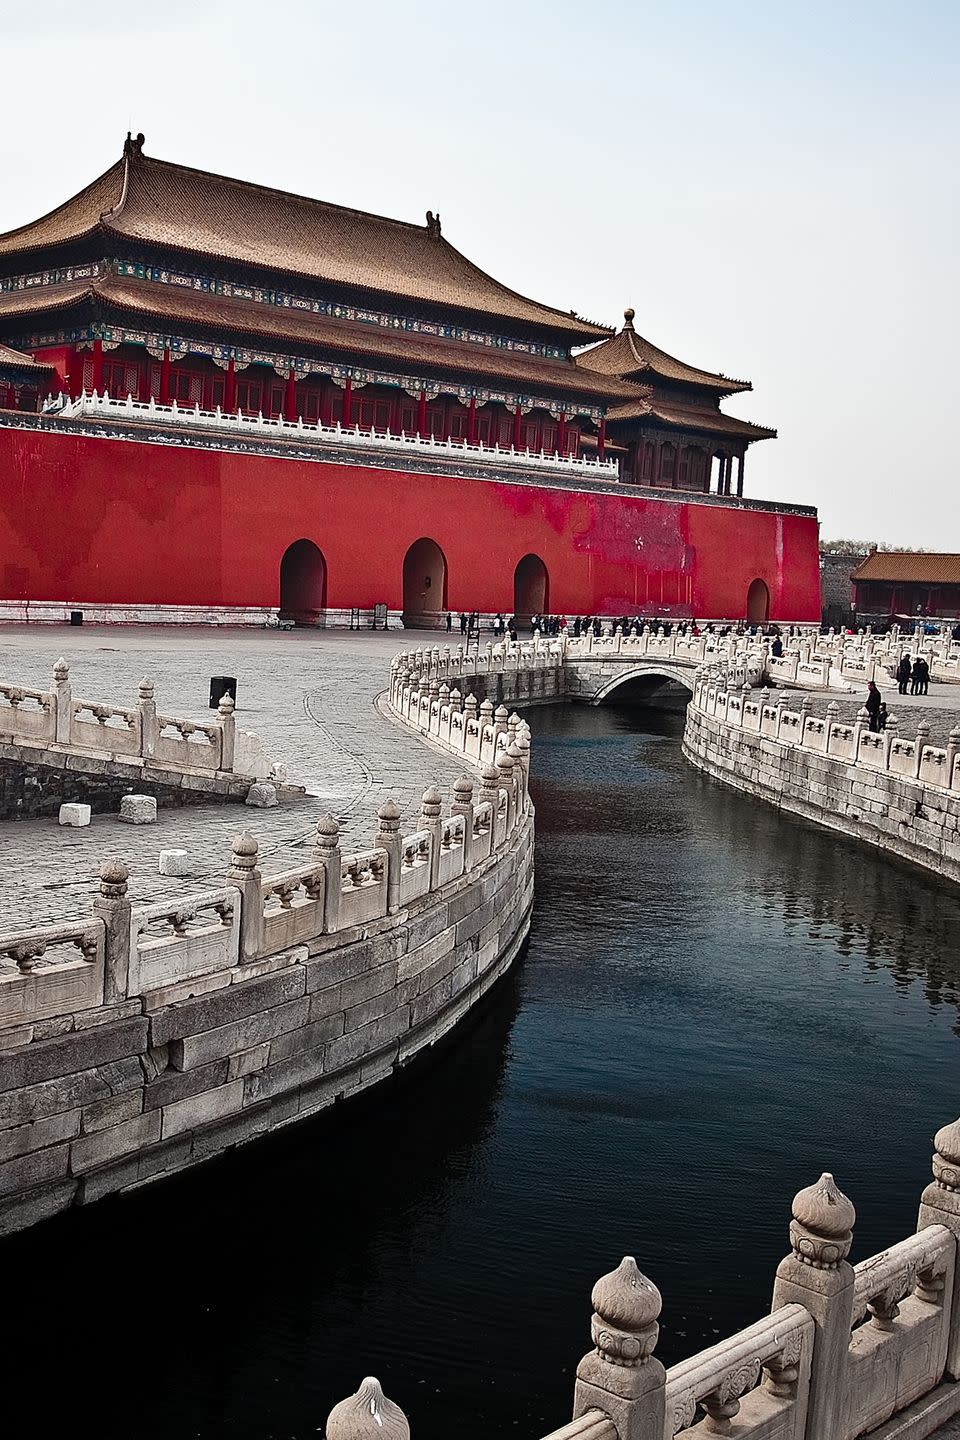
(717, 1004)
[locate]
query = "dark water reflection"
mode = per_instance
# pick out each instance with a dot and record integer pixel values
(717, 1004)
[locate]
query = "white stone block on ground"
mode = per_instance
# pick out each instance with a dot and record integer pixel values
(73, 814)
(177, 863)
(262, 795)
(138, 810)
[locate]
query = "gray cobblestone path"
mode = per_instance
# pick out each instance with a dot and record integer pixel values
(309, 695)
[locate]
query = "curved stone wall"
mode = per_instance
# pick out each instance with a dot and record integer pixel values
(900, 795)
(142, 1040)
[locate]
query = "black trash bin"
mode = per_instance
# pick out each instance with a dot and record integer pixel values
(221, 685)
(76, 617)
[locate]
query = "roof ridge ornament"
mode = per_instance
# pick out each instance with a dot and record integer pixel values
(133, 146)
(433, 225)
(628, 315)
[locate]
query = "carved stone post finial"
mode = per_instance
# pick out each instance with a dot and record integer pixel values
(113, 906)
(462, 804)
(940, 1205)
(63, 701)
(245, 875)
(328, 854)
(817, 1275)
(621, 1376)
(367, 1415)
(147, 706)
(430, 807)
(228, 731)
(388, 838)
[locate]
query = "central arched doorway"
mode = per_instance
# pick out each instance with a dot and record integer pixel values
(758, 603)
(303, 583)
(424, 585)
(531, 589)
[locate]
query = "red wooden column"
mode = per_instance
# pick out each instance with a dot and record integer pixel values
(290, 399)
(562, 434)
(422, 415)
(347, 396)
(165, 376)
(230, 388)
(516, 428)
(472, 421)
(602, 438)
(97, 381)
(740, 460)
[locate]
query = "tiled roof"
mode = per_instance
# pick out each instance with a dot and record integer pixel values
(177, 208)
(689, 417)
(172, 308)
(628, 354)
(16, 360)
(901, 566)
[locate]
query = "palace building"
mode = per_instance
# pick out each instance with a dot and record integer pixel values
(218, 395)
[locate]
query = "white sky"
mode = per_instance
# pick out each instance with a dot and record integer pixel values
(773, 187)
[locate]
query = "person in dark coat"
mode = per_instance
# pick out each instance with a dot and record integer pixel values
(903, 674)
(915, 675)
(874, 701)
(924, 677)
(776, 649)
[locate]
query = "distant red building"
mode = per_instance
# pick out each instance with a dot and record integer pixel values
(276, 402)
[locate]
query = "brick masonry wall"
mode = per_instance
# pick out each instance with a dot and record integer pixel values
(109, 1099)
(915, 822)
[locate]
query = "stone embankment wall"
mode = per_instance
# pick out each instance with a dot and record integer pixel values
(900, 795)
(145, 1039)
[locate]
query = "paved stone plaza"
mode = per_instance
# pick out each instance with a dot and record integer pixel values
(310, 696)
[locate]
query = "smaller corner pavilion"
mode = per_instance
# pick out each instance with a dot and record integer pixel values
(24, 382)
(673, 434)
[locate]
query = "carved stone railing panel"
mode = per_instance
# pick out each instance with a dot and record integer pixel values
(415, 855)
(755, 1384)
(450, 861)
(105, 728)
(182, 939)
(188, 744)
(27, 714)
(363, 887)
(51, 970)
(293, 907)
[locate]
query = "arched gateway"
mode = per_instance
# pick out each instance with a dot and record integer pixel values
(531, 588)
(303, 583)
(424, 584)
(758, 603)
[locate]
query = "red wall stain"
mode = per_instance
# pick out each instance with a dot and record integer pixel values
(88, 519)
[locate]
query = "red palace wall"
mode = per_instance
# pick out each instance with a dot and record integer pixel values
(92, 520)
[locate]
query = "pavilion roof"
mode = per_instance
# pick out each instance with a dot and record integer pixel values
(170, 307)
(628, 354)
(688, 417)
(910, 567)
(176, 208)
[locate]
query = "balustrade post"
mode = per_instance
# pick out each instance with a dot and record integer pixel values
(501, 723)
(940, 1205)
(462, 804)
(490, 789)
(953, 746)
(817, 1275)
(228, 732)
(890, 732)
(508, 785)
(388, 838)
(64, 701)
(147, 705)
(328, 855)
(368, 1415)
(923, 735)
(430, 820)
(113, 907)
(244, 873)
(621, 1376)
(515, 754)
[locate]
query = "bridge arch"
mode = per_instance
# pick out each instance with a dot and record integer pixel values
(303, 583)
(657, 674)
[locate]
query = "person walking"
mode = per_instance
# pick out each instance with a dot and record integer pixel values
(874, 701)
(903, 674)
(449, 622)
(915, 675)
(924, 679)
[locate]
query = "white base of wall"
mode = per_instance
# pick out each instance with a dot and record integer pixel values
(59, 612)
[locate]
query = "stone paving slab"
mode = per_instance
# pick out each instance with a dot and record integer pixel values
(310, 696)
